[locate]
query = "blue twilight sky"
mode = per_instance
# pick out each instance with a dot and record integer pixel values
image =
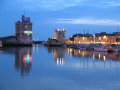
(72, 15)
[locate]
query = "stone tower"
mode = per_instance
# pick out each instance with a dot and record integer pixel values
(24, 31)
(60, 35)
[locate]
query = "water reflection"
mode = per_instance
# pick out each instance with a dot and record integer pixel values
(23, 60)
(86, 59)
(94, 59)
(94, 54)
(82, 69)
(79, 58)
(0, 51)
(59, 54)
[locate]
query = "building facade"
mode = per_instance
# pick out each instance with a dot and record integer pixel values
(98, 38)
(105, 38)
(24, 31)
(83, 39)
(60, 35)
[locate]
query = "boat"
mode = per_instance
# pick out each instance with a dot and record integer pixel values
(82, 47)
(117, 47)
(100, 49)
(111, 49)
(107, 48)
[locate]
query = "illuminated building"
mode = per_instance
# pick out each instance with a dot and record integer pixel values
(83, 39)
(24, 31)
(60, 35)
(98, 38)
(105, 38)
(59, 38)
(23, 35)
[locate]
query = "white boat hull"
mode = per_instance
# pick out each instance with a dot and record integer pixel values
(100, 49)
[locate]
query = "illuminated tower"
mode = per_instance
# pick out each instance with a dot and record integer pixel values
(60, 35)
(24, 31)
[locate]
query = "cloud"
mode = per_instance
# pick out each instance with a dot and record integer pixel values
(87, 21)
(50, 4)
(63, 4)
(112, 3)
(101, 3)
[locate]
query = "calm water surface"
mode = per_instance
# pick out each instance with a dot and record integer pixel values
(55, 68)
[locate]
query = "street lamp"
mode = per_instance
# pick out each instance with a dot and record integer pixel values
(94, 38)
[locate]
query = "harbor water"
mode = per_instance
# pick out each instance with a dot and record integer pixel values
(57, 68)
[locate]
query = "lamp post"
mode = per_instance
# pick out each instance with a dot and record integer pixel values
(94, 38)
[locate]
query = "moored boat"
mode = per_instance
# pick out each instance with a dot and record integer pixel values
(102, 48)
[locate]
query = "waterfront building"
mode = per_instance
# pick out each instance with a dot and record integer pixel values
(23, 35)
(83, 38)
(60, 35)
(98, 38)
(59, 38)
(106, 38)
(24, 31)
(52, 40)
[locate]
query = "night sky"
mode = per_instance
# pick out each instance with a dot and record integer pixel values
(76, 16)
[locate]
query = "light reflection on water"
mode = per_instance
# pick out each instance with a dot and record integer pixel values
(56, 68)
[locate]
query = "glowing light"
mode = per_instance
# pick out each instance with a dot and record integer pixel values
(27, 59)
(27, 32)
(104, 37)
(83, 38)
(104, 58)
(99, 56)
(99, 38)
(83, 54)
(60, 61)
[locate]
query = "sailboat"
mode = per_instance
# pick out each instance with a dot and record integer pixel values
(107, 48)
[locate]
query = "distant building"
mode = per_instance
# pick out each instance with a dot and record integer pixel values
(24, 31)
(106, 38)
(59, 38)
(83, 38)
(9, 40)
(98, 38)
(60, 35)
(52, 40)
